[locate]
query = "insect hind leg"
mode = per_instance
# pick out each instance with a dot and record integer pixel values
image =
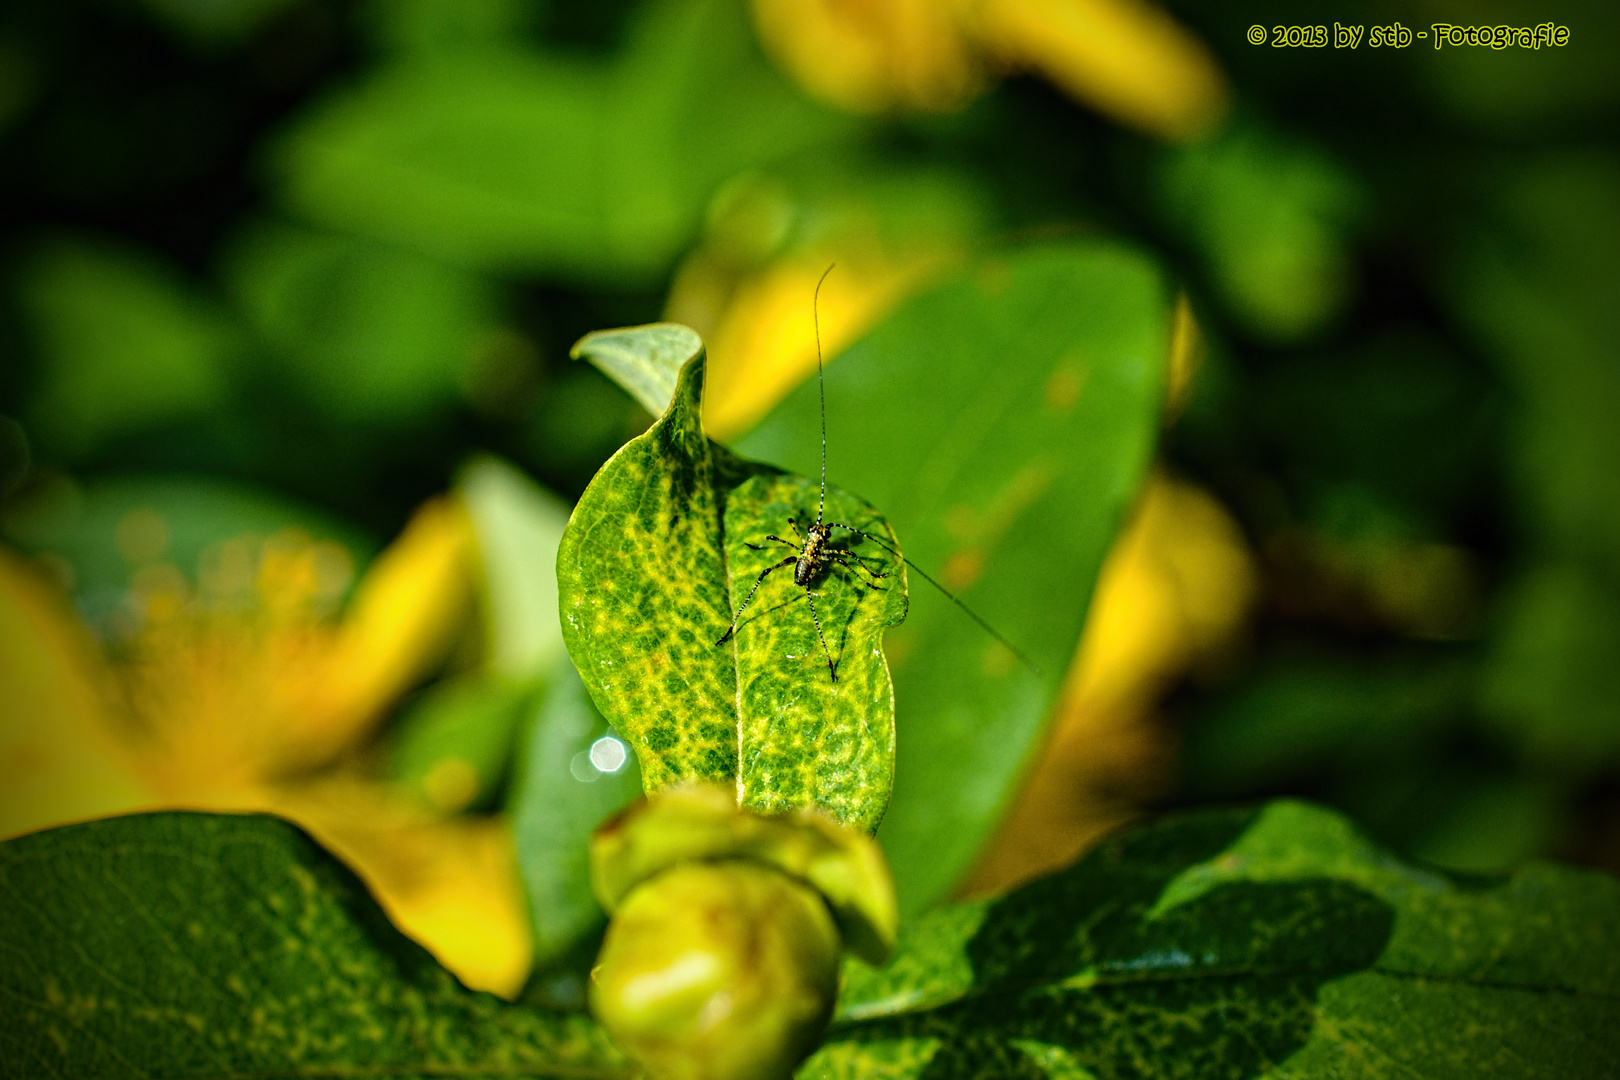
(789, 561)
(832, 672)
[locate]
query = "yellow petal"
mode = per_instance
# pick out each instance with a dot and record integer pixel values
(58, 761)
(1178, 580)
(764, 340)
(405, 613)
(873, 55)
(1126, 58)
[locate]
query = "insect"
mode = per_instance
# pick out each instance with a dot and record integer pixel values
(815, 555)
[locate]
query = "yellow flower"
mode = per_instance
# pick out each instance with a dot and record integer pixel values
(247, 690)
(1126, 58)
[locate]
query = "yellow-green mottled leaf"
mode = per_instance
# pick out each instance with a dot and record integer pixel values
(645, 360)
(664, 546)
(194, 945)
(1247, 944)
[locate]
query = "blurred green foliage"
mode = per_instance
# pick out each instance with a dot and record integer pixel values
(124, 341)
(336, 250)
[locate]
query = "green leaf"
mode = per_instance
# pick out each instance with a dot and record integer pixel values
(1271, 218)
(657, 545)
(518, 525)
(1003, 421)
(645, 360)
(1551, 686)
(570, 777)
(454, 743)
(497, 156)
(191, 945)
(124, 343)
(1275, 943)
(438, 26)
(372, 333)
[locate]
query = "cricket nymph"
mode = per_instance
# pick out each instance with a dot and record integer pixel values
(816, 555)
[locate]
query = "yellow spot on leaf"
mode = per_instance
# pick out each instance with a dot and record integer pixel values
(999, 660)
(1063, 387)
(963, 568)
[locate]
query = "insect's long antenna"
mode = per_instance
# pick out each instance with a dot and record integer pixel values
(821, 384)
(946, 593)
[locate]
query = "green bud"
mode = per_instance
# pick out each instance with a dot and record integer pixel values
(721, 959)
(703, 822)
(718, 971)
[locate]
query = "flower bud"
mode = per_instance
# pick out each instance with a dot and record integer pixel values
(722, 970)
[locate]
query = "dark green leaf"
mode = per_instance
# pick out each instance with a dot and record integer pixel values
(1270, 218)
(191, 945)
(657, 545)
(438, 26)
(1244, 944)
(1294, 717)
(1537, 290)
(1551, 684)
(1003, 422)
(571, 776)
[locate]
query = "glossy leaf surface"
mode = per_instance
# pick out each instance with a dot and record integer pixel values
(1271, 943)
(190, 945)
(658, 555)
(1003, 422)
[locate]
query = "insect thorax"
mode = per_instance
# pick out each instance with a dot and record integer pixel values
(813, 557)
